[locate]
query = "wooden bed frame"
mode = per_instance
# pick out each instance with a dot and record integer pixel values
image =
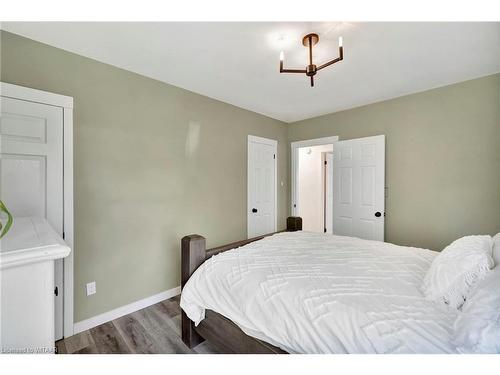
(215, 327)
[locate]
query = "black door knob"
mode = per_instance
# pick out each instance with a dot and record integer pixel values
(254, 210)
(378, 214)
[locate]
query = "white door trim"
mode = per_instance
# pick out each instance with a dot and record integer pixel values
(267, 141)
(274, 143)
(32, 95)
(295, 164)
(66, 103)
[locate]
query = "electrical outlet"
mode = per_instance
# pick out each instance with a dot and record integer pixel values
(91, 289)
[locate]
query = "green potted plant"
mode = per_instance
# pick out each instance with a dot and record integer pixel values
(4, 229)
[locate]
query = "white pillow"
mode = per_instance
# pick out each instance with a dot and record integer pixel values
(496, 249)
(477, 327)
(457, 268)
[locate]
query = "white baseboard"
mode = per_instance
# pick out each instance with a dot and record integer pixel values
(86, 324)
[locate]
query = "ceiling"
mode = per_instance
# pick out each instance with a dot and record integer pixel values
(238, 63)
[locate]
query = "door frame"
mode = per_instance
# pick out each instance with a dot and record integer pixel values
(66, 103)
(294, 209)
(273, 143)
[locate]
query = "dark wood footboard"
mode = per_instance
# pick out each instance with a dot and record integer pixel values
(216, 327)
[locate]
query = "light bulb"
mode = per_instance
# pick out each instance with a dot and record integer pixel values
(282, 56)
(340, 41)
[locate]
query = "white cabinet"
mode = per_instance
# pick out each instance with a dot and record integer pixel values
(27, 256)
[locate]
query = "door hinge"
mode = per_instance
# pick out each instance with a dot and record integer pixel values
(56, 291)
(274, 156)
(324, 230)
(326, 162)
(294, 206)
(64, 235)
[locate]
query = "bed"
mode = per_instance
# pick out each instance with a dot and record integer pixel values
(303, 292)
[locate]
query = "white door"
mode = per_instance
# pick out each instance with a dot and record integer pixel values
(31, 171)
(358, 187)
(261, 186)
(329, 192)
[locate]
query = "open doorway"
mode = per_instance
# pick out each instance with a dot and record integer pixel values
(312, 183)
(356, 170)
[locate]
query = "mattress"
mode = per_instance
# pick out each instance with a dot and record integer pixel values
(320, 293)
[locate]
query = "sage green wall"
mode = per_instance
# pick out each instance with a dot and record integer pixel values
(152, 163)
(442, 159)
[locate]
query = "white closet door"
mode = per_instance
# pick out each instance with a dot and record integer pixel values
(261, 186)
(358, 187)
(31, 170)
(329, 193)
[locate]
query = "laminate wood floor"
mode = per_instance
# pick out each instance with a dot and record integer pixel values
(154, 330)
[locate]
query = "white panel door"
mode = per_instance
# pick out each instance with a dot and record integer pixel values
(329, 193)
(358, 187)
(31, 171)
(261, 186)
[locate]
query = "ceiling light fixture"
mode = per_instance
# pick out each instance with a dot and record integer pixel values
(309, 41)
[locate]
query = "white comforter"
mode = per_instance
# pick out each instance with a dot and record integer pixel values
(318, 293)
